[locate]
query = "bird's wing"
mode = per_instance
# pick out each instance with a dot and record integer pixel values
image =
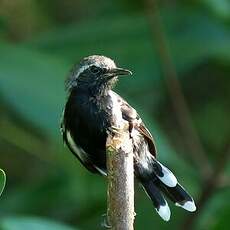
(62, 124)
(75, 149)
(131, 115)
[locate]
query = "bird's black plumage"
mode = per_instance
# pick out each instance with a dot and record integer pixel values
(90, 109)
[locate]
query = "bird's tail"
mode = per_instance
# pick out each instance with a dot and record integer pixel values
(162, 182)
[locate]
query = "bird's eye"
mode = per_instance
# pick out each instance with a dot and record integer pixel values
(94, 69)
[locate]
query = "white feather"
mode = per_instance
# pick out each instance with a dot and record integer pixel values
(164, 212)
(189, 206)
(79, 151)
(168, 178)
(84, 67)
(107, 63)
(100, 171)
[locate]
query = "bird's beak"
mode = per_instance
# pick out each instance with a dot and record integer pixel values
(120, 71)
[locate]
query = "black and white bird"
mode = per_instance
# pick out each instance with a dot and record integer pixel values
(87, 118)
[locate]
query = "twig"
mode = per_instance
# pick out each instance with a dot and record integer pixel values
(196, 151)
(224, 181)
(209, 187)
(120, 180)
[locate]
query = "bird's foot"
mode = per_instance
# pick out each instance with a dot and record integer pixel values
(114, 130)
(105, 222)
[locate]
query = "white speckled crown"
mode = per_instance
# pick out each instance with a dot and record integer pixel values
(85, 63)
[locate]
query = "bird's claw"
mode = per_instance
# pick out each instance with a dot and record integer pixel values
(105, 222)
(114, 130)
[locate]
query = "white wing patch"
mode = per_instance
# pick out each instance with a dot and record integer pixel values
(62, 126)
(81, 153)
(102, 172)
(78, 150)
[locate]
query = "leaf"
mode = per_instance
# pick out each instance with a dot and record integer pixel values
(2, 181)
(217, 210)
(186, 30)
(33, 84)
(221, 7)
(35, 223)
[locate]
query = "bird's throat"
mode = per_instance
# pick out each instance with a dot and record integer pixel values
(102, 89)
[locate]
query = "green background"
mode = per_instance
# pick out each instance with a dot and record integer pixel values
(47, 188)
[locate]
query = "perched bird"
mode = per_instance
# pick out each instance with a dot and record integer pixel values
(87, 118)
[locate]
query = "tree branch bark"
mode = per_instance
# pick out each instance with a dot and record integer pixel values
(119, 151)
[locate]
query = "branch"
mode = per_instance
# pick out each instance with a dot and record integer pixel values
(224, 181)
(120, 180)
(191, 138)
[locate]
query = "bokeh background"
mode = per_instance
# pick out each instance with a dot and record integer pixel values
(179, 52)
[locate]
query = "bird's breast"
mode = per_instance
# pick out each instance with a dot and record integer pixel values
(91, 114)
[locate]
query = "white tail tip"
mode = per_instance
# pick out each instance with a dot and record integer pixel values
(164, 212)
(168, 178)
(189, 206)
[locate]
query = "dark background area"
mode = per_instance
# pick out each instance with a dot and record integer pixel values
(179, 52)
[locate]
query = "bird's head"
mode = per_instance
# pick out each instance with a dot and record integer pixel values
(95, 73)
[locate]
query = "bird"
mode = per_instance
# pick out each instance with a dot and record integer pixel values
(87, 118)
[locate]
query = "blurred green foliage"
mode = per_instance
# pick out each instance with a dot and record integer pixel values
(22, 223)
(41, 40)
